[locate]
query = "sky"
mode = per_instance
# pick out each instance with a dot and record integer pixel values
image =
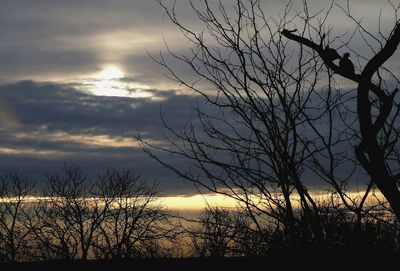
(77, 82)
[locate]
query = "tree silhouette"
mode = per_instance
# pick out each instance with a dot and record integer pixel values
(223, 232)
(378, 131)
(216, 234)
(14, 217)
(280, 117)
(70, 215)
(134, 222)
(111, 216)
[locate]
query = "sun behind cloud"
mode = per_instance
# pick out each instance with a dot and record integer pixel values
(111, 72)
(112, 81)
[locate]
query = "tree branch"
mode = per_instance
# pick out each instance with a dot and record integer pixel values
(320, 50)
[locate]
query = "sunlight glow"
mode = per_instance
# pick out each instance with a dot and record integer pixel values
(108, 82)
(111, 81)
(86, 140)
(111, 72)
(197, 202)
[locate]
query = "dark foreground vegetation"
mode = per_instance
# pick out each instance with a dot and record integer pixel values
(274, 117)
(113, 215)
(339, 260)
(115, 219)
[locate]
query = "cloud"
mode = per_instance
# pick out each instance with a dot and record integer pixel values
(55, 40)
(7, 118)
(45, 40)
(58, 123)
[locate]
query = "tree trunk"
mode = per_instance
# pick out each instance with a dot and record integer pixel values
(375, 163)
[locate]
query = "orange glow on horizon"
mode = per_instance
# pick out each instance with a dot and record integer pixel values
(197, 202)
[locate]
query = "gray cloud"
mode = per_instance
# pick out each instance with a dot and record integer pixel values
(55, 40)
(44, 125)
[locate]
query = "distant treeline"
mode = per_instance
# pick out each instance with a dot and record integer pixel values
(116, 216)
(111, 216)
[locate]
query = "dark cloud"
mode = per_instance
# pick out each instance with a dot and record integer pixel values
(62, 107)
(44, 125)
(47, 124)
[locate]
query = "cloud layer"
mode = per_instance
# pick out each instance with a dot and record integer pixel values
(44, 125)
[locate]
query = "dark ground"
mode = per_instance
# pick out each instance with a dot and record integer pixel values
(340, 261)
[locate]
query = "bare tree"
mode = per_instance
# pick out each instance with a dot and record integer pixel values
(116, 215)
(252, 149)
(69, 215)
(377, 108)
(280, 116)
(14, 216)
(135, 222)
(214, 235)
(225, 232)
